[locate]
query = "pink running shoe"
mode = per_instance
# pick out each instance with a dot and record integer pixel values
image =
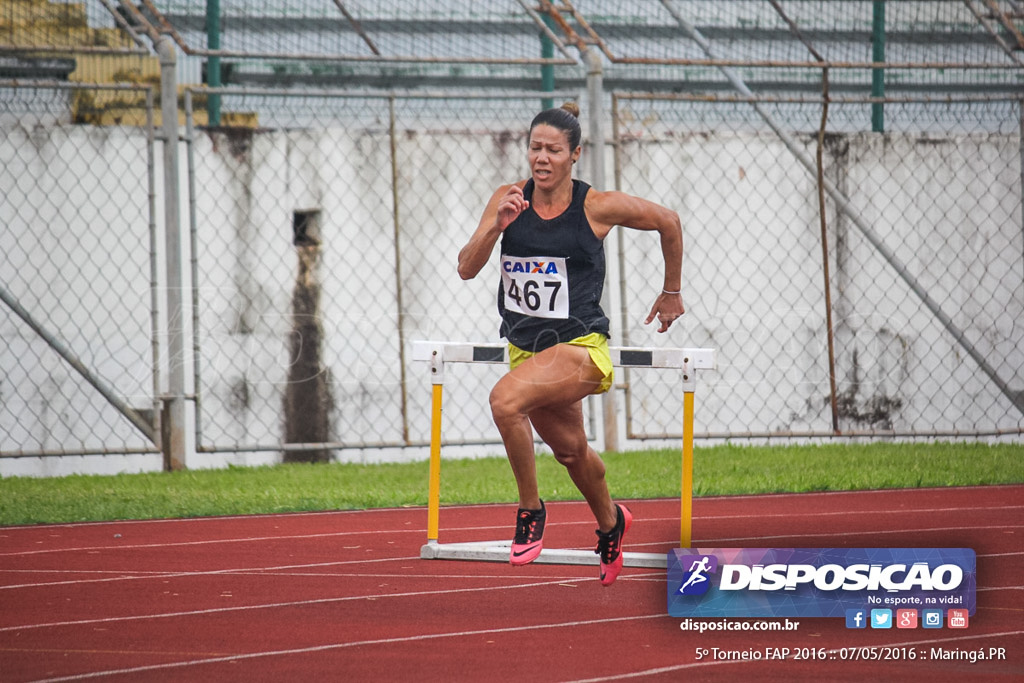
(609, 546)
(529, 539)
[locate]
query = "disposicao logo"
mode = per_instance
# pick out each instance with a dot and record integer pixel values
(822, 582)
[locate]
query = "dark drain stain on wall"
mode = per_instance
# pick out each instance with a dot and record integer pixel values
(307, 396)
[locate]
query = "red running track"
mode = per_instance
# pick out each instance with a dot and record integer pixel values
(344, 596)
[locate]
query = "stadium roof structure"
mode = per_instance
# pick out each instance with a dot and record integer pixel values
(778, 46)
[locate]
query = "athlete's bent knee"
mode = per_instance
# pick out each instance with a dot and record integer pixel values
(573, 454)
(503, 404)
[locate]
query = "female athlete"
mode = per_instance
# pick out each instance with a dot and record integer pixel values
(552, 229)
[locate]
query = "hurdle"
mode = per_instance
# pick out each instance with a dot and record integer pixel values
(438, 354)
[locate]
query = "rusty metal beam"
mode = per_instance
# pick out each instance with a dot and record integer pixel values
(810, 64)
(545, 29)
(593, 38)
(570, 33)
(165, 26)
(131, 10)
(835, 99)
(983, 20)
(795, 30)
(357, 27)
(1004, 19)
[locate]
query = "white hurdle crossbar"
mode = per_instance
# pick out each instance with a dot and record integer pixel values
(687, 360)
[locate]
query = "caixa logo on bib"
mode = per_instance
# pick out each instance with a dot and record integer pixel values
(817, 582)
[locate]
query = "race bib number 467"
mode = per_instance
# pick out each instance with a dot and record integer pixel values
(536, 286)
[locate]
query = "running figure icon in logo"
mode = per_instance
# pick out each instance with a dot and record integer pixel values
(695, 581)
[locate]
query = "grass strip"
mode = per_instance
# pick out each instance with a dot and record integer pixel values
(718, 470)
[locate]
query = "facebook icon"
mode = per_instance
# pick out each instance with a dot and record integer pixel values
(856, 618)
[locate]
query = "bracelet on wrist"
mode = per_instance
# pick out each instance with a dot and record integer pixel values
(665, 291)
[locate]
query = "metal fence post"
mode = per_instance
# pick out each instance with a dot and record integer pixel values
(173, 422)
(213, 62)
(595, 100)
(878, 56)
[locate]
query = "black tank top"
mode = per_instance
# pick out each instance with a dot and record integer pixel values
(552, 276)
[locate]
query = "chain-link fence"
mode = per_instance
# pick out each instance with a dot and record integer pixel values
(941, 194)
(78, 281)
(328, 244)
(321, 237)
(393, 199)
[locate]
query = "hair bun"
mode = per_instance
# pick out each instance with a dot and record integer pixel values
(572, 108)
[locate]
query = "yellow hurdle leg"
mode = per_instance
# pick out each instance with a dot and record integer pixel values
(434, 493)
(686, 500)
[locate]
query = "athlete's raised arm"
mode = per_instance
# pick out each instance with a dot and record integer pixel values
(505, 205)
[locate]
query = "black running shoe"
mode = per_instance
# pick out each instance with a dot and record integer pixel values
(529, 539)
(609, 546)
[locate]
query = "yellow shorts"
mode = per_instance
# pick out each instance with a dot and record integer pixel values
(595, 343)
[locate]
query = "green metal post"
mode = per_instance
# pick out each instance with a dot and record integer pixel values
(547, 71)
(878, 55)
(213, 63)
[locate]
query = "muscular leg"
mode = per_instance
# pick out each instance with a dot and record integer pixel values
(547, 390)
(561, 427)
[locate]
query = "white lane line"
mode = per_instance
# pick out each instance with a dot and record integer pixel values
(451, 529)
(339, 646)
(207, 572)
(290, 603)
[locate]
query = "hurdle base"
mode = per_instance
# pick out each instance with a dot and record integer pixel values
(498, 551)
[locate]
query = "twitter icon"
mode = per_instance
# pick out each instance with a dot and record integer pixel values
(881, 618)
